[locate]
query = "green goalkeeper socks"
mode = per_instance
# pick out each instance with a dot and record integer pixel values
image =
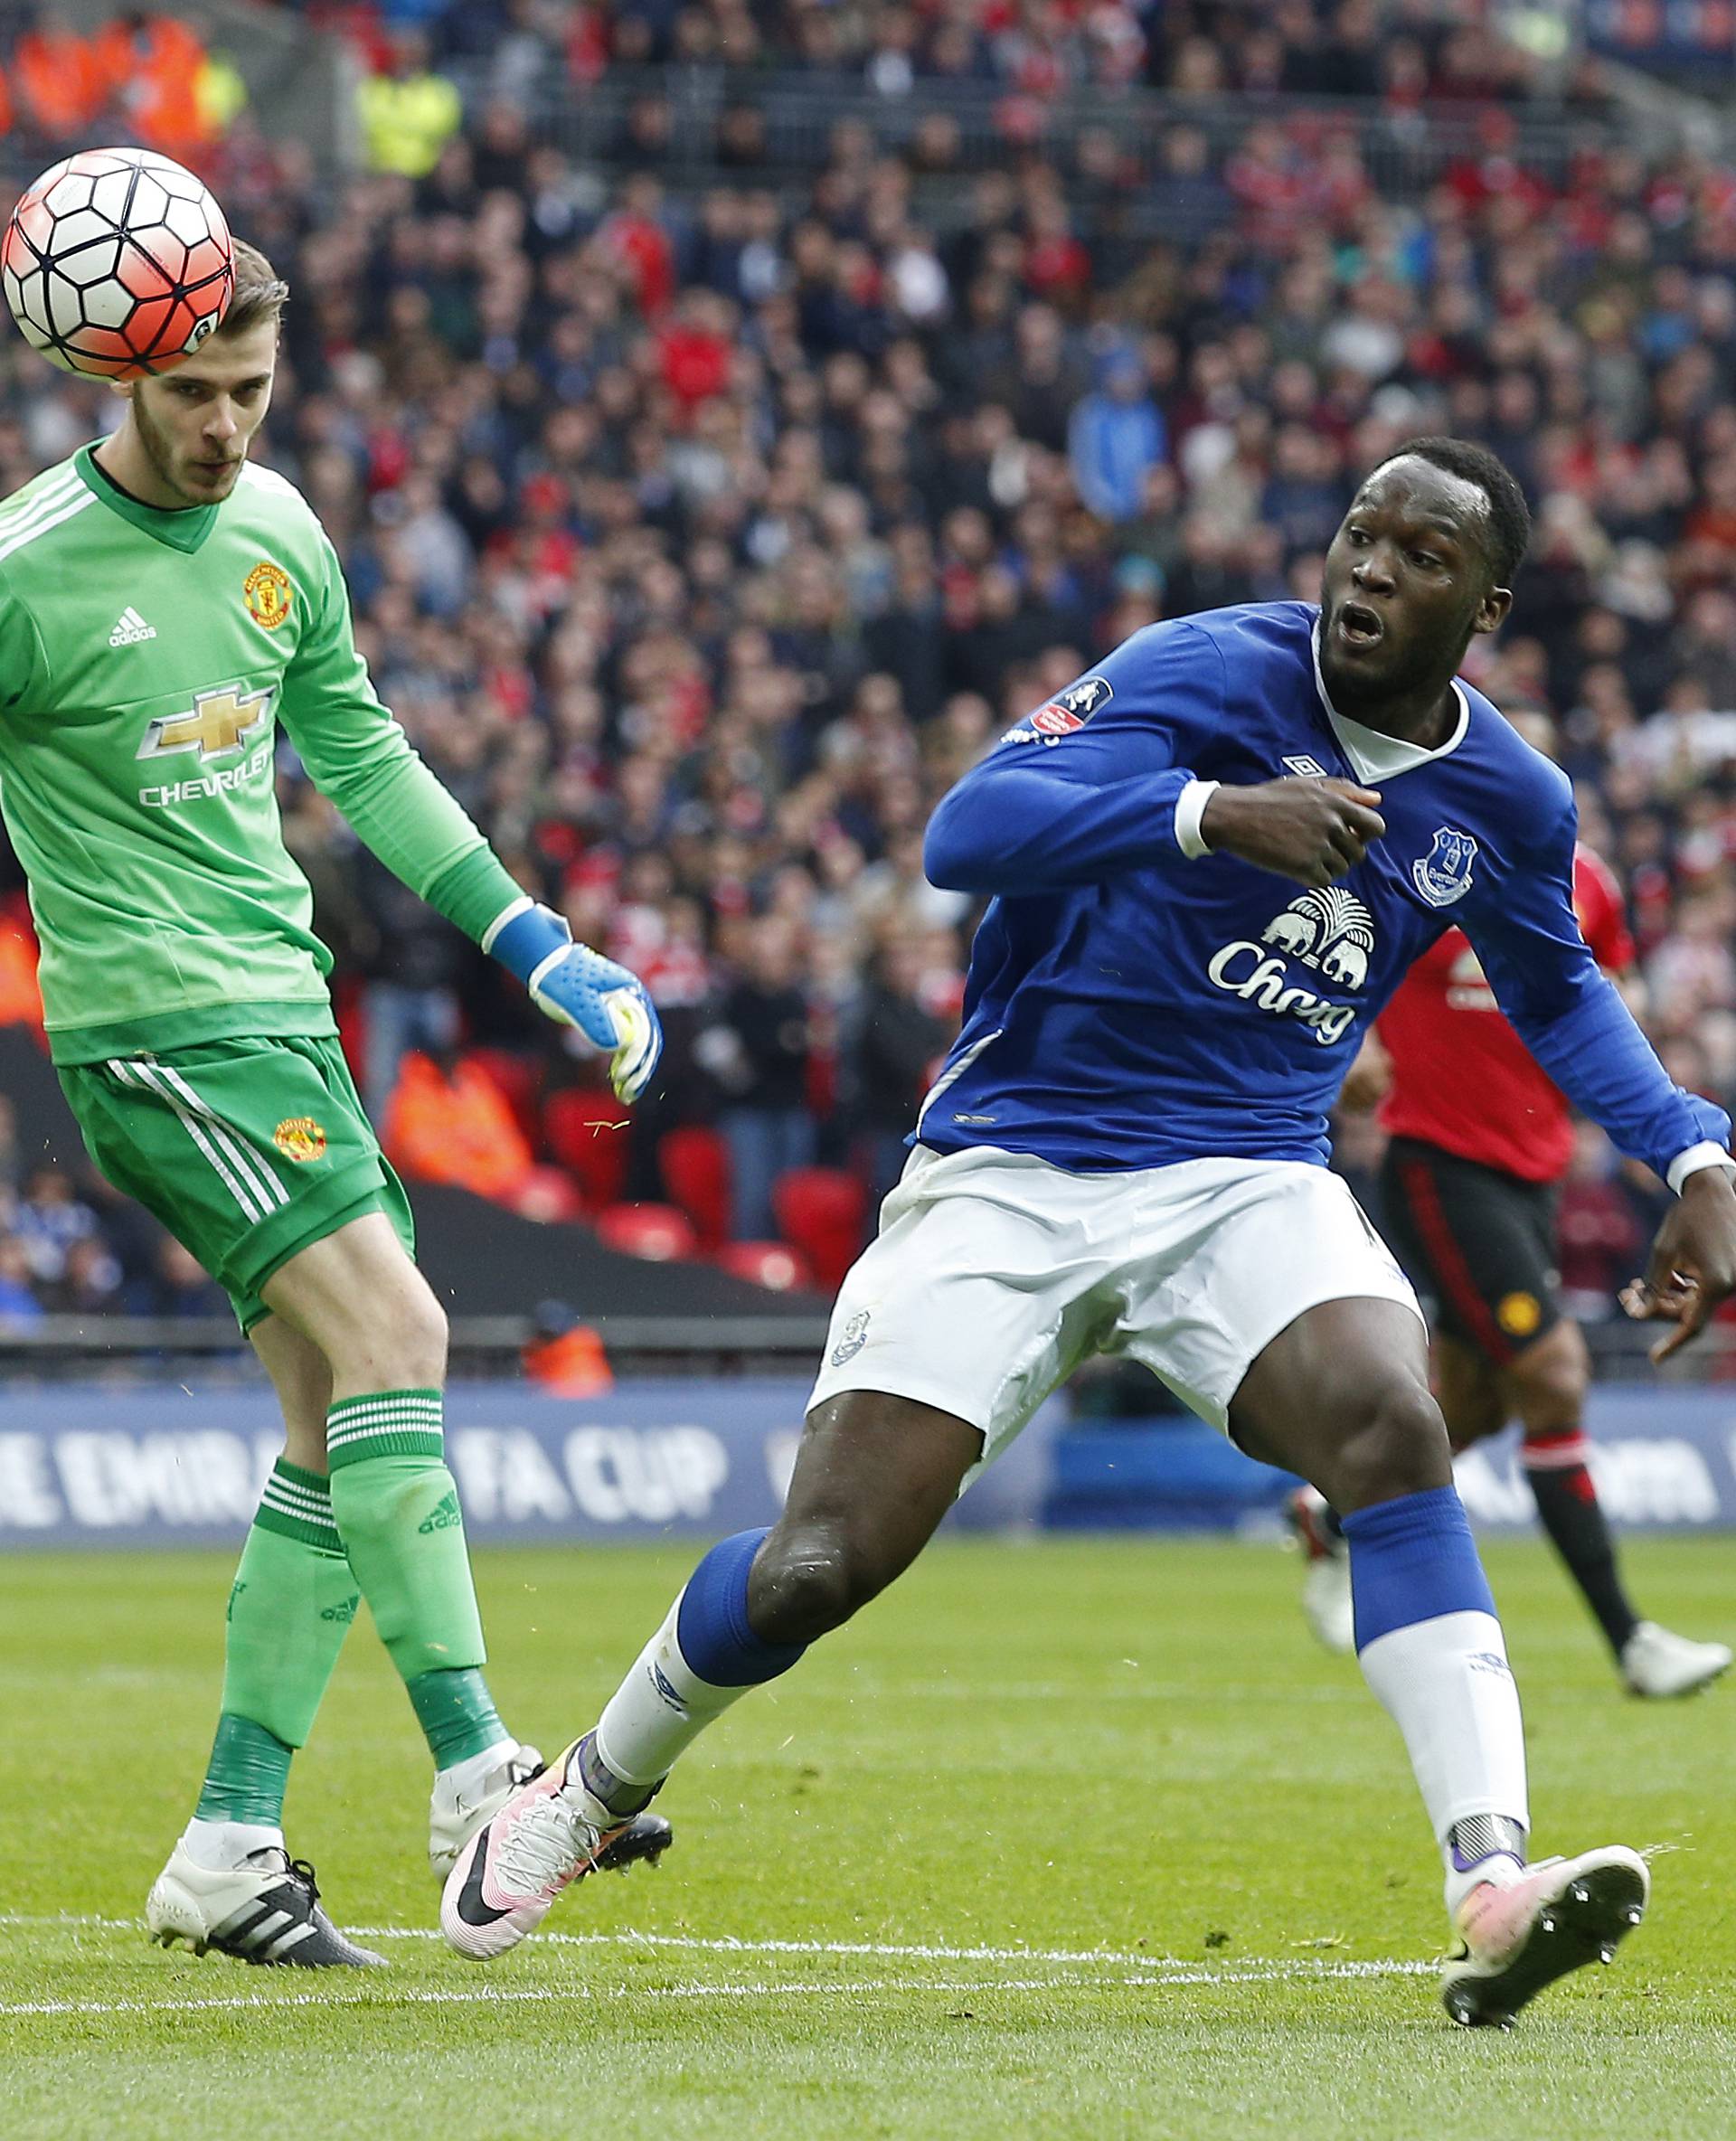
(397, 1509)
(289, 1610)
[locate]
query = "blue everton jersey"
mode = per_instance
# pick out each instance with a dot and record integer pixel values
(1131, 1005)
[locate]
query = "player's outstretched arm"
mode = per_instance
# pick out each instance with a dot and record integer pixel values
(1573, 1019)
(576, 987)
(360, 757)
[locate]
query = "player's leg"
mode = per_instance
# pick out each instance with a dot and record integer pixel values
(970, 1308)
(1423, 1196)
(1292, 1325)
(230, 1883)
(1486, 1243)
(874, 1475)
(1473, 1400)
(257, 1153)
(1546, 1385)
(1342, 1396)
(355, 1295)
(1468, 1390)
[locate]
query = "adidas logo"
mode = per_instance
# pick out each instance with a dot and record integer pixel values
(344, 1611)
(130, 629)
(443, 1516)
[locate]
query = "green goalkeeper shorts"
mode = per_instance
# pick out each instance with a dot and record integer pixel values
(248, 1151)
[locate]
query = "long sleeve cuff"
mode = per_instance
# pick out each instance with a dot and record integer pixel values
(1708, 1153)
(1189, 808)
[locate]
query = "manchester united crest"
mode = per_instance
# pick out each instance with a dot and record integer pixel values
(268, 594)
(299, 1137)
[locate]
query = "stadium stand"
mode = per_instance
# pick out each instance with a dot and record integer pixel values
(721, 455)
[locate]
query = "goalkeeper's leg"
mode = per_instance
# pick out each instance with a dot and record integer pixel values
(230, 1883)
(356, 1296)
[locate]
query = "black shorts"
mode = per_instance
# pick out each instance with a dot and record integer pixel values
(1479, 1245)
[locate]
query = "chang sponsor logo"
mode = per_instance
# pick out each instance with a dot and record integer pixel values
(1329, 930)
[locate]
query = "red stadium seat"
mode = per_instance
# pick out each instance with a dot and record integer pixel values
(695, 1163)
(659, 1232)
(517, 1079)
(586, 1132)
(770, 1264)
(820, 1212)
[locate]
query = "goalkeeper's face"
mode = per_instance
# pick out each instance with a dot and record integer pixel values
(195, 425)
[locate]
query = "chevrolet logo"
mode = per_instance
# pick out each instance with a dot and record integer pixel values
(217, 723)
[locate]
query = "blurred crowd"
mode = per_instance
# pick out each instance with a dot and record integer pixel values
(1411, 51)
(700, 534)
(139, 76)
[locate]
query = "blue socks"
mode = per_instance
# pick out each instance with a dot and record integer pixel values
(703, 1658)
(1414, 1560)
(711, 1619)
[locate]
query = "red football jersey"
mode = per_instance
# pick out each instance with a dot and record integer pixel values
(1462, 1079)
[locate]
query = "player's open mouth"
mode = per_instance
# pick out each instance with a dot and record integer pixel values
(1359, 623)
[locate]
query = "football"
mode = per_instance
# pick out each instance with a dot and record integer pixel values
(116, 263)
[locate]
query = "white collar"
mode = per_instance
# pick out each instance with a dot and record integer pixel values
(1375, 755)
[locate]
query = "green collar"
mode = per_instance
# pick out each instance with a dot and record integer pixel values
(184, 529)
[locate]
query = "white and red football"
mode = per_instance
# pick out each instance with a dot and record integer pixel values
(118, 263)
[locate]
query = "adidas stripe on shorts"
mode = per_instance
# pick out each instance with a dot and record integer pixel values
(247, 1151)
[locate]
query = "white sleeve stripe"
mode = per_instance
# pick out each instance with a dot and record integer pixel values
(1189, 808)
(1708, 1153)
(509, 913)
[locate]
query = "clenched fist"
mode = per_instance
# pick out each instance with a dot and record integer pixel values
(1309, 830)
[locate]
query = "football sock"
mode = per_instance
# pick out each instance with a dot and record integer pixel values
(456, 1714)
(220, 1846)
(289, 1610)
(397, 1510)
(1432, 1651)
(703, 1658)
(1571, 1514)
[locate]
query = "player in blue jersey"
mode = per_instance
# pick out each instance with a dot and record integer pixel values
(1210, 861)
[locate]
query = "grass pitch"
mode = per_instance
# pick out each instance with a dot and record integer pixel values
(1070, 1838)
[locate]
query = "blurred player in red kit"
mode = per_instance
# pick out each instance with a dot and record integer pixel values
(1479, 1139)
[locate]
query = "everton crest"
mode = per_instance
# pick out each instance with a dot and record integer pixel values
(1444, 873)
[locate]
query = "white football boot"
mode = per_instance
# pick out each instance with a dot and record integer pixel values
(264, 1911)
(548, 1835)
(1557, 1916)
(1326, 1579)
(1656, 1662)
(454, 1813)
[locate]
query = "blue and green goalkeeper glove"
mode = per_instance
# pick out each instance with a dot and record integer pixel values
(576, 987)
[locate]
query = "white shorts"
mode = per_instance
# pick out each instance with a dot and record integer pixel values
(995, 1274)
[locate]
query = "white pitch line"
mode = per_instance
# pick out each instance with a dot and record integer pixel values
(545, 1996)
(1144, 1968)
(510, 1995)
(890, 1950)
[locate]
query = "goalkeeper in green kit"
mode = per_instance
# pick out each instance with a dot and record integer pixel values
(166, 610)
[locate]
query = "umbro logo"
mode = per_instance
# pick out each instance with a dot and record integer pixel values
(1303, 767)
(130, 629)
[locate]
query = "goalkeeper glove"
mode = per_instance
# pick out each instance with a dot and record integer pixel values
(576, 987)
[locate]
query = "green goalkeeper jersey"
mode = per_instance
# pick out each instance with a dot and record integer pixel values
(148, 662)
